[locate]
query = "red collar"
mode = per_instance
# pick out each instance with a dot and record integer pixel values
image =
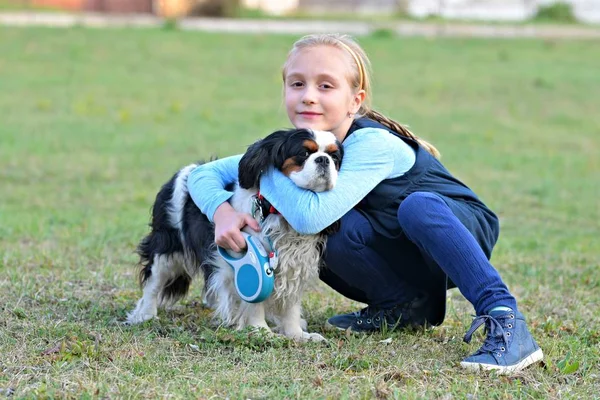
(264, 206)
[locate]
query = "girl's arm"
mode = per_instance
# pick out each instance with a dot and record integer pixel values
(206, 183)
(370, 156)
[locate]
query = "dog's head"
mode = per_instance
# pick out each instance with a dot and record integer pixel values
(310, 158)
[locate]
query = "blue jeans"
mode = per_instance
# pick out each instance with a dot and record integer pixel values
(381, 272)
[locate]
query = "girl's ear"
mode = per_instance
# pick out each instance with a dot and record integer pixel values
(358, 100)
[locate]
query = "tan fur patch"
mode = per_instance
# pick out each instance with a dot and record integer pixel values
(311, 146)
(331, 148)
(290, 166)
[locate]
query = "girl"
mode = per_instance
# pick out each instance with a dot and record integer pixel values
(409, 229)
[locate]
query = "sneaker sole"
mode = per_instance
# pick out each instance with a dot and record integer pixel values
(330, 327)
(534, 357)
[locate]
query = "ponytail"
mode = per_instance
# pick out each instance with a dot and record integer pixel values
(401, 130)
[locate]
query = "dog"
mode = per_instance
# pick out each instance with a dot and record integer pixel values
(181, 242)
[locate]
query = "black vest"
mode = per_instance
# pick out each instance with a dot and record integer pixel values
(381, 205)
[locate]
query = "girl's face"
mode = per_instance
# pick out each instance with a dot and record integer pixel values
(318, 94)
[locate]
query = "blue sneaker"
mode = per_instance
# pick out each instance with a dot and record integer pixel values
(508, 347)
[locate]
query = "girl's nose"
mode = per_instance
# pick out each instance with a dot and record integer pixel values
(309, 96)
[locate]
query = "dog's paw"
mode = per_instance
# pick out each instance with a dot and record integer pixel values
(138, 318)
(311, 337)
(303, 324)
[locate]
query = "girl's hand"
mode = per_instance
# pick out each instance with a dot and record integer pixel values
(228, 225)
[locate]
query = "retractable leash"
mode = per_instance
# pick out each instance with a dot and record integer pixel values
(254, 275)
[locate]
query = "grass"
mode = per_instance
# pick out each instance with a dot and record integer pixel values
(94, 121)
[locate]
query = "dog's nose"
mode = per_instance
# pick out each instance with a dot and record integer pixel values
(322, 160)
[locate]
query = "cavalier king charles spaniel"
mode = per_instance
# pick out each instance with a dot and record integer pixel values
(181, 241)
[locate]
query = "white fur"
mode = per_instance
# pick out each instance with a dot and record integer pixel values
(313, 176)
(324, 139)
(163, 270)
(179, 196)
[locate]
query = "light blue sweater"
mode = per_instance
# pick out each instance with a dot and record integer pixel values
(371, 155)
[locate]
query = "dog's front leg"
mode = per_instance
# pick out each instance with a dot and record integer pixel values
(254, 316)
(291, 325)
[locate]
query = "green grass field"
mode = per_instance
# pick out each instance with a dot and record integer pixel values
(92, 122)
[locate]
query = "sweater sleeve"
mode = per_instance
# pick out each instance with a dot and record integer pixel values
(206, 183)
(369, 158)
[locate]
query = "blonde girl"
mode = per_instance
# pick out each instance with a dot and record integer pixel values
(409, 229)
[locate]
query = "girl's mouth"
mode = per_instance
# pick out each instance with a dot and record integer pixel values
(308, 114)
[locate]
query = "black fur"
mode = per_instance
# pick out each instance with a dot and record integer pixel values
(163, 238)
(199, 234)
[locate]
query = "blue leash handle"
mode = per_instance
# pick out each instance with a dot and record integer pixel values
(253, 274)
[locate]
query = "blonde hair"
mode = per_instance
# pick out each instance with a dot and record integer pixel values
(359, 80)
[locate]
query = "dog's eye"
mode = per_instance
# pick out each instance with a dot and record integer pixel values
(306, 154)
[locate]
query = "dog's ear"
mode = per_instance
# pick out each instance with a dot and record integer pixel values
(260, 156)
(341, 148)
(253, 164)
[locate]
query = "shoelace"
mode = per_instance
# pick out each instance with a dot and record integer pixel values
(495, 333)
(368, 312)
(376, 314)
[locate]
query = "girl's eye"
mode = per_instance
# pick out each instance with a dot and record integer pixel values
(296, 84)
(326, 86)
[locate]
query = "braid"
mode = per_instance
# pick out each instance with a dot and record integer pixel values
(401, 130)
